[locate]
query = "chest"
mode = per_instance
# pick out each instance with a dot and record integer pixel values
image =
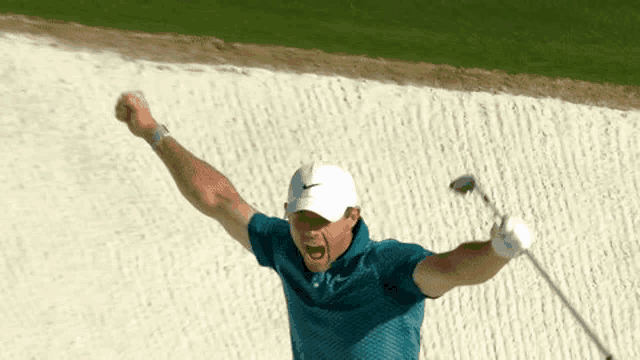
(341, 289)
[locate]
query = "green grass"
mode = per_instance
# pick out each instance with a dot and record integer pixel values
(591, 40)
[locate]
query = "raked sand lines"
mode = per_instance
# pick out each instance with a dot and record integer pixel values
(103, 258)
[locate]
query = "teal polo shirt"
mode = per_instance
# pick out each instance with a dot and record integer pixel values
(365, 307)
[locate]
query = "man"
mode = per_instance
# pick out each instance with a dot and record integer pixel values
(348, 297)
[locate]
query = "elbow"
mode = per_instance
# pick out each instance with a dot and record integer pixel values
(207, 197)
(216, 194)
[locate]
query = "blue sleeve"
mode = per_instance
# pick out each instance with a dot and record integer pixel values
(265, 235)
(398, 261)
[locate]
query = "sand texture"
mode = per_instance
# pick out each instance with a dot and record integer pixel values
(102, 258)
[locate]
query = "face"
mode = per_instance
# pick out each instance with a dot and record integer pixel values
(319, 241)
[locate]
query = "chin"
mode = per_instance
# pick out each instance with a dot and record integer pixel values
(318, 267)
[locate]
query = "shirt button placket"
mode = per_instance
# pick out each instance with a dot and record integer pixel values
(317, 278)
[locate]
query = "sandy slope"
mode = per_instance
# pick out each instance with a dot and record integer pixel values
(101, 257)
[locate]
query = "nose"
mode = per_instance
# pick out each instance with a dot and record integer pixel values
(308, 237)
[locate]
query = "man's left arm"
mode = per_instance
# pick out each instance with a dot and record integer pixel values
(472, 263)
(475, 262)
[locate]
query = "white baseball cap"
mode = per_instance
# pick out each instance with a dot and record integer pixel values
(327, 190)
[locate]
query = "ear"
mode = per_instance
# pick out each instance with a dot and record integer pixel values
(353, 213)
(356, 213)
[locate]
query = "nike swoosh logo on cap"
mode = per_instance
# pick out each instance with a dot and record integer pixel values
(305, 187)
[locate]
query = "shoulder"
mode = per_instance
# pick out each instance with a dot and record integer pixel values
(395, 258)
(267, 237)
(261, 225)
(397, 251)
(396, 262)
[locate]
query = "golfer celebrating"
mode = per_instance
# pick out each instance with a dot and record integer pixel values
(348, 297)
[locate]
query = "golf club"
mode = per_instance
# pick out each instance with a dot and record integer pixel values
(466, 184)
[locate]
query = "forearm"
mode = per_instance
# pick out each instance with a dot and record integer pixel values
(197, 180)
(476, 262)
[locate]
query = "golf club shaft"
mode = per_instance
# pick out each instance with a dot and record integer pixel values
(495, 211)
(553, 286)
(566, 302)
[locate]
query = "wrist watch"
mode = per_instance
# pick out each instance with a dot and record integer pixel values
(159, 133)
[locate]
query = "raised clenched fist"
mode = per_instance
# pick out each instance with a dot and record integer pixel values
(132, 108)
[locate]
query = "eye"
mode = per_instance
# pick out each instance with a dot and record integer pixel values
(313, 221)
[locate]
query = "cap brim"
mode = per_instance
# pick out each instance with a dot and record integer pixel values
(313, 205)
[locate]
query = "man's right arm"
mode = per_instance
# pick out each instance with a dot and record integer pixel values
(206, 188)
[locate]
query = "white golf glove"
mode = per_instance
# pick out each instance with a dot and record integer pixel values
(510, 238)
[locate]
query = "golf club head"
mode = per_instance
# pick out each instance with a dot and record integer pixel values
(463, 184)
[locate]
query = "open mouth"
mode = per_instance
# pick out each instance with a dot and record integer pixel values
(316, 252)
